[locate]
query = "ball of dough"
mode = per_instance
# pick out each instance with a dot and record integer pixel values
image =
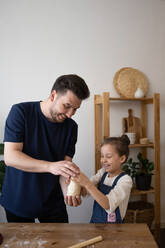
(73, 189)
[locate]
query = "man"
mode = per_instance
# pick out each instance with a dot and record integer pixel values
(40, 140)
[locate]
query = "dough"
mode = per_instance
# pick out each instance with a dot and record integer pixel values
(73, 189)
(1, 238)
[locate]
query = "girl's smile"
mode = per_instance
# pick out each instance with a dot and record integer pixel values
(106, 166)
(110, 160)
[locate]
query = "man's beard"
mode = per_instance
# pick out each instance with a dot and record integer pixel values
(56, 117)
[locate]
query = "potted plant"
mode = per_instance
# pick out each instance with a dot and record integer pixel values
(140, 171)
(2, 166)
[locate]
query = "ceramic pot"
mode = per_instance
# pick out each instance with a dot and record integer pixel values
(132, 137)
(143, 182)
(139, 93)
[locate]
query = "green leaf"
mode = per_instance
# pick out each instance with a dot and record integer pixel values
(2, 175)
(143, 166)
(2, 166)
(1, 149)
(139, 156)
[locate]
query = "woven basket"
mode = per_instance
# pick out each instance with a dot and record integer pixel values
(127, 80)
(140, 212)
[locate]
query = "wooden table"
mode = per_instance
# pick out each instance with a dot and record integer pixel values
(47, 235)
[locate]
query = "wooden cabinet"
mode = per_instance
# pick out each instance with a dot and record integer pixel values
(102, 105)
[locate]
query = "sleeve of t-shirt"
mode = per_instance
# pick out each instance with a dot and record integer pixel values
(120, 193)
(97, 178)
(15, 125)
(72, 144)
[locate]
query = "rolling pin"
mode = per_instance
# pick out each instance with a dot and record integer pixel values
(87, 242)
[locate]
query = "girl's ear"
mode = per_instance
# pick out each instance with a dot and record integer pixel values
(122, 159)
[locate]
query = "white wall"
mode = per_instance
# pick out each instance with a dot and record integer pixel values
(40, 40)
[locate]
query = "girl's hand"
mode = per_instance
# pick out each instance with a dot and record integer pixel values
(67, 181)
(82, 179)
(83, 192)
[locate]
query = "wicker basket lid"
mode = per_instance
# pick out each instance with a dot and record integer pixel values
(127, 80)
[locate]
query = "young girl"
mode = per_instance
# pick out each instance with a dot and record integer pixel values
(110, 187)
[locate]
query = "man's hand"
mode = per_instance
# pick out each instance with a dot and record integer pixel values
(73, 200)
(64, 168)
(70, 200)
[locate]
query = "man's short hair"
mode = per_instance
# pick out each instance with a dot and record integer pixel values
(73, 83)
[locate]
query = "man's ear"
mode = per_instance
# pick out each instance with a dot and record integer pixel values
(122, 159)
(53, 95)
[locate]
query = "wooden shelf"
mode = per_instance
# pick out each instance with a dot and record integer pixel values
(142, 145)
(99, 99)
(148, 100)
(141, 192)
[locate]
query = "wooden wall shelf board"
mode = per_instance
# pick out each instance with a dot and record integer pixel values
(131, 99)
(142, 145)
(142, 192)
(102, 120)
(146, 100)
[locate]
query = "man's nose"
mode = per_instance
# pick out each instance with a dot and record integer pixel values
(70, 113)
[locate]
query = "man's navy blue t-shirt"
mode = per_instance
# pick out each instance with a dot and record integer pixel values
(28, 194)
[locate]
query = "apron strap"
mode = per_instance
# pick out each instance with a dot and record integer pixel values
(103, 177)
(117, 179)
